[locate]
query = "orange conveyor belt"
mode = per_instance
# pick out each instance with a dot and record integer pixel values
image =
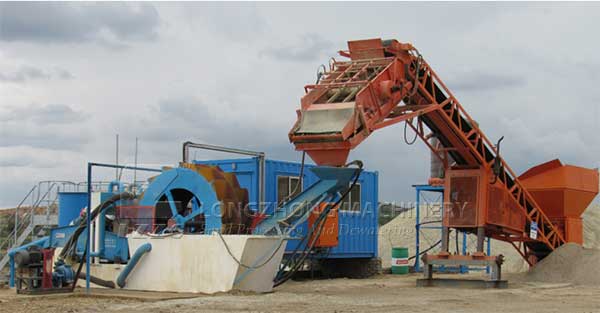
(385, 82)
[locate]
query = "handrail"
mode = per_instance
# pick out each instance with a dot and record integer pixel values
(29, 212)
(18, 206)
(42, 194)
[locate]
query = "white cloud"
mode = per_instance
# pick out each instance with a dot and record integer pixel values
(307, 47)
(233, 74)
(26, 73)
(109, 23)
(53, 126)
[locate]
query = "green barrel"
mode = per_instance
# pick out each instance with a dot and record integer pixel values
(399, 260)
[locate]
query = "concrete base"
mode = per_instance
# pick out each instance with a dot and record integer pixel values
(463, 283)
(200, 263)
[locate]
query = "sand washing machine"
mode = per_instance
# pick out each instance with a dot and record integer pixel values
(196, 199)
(189, 230)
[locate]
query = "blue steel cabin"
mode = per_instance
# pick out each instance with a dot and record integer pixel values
(358, 215)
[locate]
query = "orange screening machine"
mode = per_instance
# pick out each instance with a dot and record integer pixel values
(385, 82)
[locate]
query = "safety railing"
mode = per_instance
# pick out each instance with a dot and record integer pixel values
(41, 199)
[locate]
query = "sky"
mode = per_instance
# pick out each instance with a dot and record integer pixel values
(73, 75)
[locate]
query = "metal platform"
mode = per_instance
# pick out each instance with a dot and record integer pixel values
(493, 262)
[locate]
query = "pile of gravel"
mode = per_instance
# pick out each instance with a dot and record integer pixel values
(400, 232)
(570, 263)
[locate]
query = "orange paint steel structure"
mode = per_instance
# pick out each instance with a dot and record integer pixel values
(329, 235)
(388, 82)
(564, 192)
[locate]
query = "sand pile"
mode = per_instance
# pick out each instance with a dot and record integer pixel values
(400, 232)
(570, 263)
(591, 227)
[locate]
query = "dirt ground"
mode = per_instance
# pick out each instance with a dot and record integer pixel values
(385, 293)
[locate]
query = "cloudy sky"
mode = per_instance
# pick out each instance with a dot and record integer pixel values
(74, 75)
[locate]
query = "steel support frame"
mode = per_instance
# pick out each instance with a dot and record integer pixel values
(411, 80)
(418, 225)
(493, 262)
(419, 189)
(547, 231)
(88, 221)
(477, 143)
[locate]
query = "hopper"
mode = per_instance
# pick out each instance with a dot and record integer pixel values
(561, 190)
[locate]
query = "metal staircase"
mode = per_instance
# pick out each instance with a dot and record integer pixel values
(34, 215)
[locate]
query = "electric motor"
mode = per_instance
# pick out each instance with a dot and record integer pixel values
(30, 256)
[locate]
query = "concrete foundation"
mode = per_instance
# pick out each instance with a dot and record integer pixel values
(200, 263)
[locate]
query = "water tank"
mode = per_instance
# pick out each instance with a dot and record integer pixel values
(69, 206)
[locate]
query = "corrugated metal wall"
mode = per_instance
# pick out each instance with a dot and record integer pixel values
(357, 230)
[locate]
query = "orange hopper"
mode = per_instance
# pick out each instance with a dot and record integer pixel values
(563, 192)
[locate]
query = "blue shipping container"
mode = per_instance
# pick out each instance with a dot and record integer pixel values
(358, 220)
(70, 205)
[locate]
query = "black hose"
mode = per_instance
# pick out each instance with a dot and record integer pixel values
(79, 268)
(412, 93)
(318, 224)
(417, 72)
(281, 274)
(98, 281)
(497, 166)
(282, 277)
(73, 242)
(426, 250)
(320, 217)
(405, 137)
(250, 267)
(70, 248)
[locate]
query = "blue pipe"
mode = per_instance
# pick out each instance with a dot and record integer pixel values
(418, 231)
(90, 165)
(489, 252)
(43, 242)
(102, 219)
(88, 232)
(143, 249)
